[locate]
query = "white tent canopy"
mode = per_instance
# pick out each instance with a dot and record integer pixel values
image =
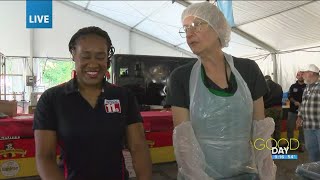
(264, 31)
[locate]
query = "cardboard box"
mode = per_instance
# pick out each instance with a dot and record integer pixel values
(160, 144)
(8, 107)
(31, 109)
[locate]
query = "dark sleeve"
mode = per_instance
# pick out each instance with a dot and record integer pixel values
(177, 94)
(252, 75)
(258, 86)
(133, 113)
(290, 92)
(44, 115)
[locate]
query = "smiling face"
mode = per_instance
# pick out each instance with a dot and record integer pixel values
(91, 57)
(300, 77)
(201, 38)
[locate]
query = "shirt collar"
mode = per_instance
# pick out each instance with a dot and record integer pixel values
(72, 86)
(297, 82)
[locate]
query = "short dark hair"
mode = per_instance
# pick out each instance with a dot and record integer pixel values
(96, 31)
(267, 77)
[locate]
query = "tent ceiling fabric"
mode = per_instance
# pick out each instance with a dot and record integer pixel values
(160, 19)
(298, 27)
(280, 24)
(249, 11)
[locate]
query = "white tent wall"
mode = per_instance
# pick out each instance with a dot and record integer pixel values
(289, 64)
(15, 38)
(66, 21)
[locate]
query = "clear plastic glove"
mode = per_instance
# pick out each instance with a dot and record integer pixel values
(189, 156)
(263, 158)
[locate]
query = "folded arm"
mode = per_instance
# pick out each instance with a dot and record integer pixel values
(46, 141)
(263, 128)
(139, 151)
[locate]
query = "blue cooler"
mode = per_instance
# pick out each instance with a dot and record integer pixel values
(309, 171)
(284, 98)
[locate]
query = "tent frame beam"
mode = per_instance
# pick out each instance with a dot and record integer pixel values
(254, 40)
(109, 20)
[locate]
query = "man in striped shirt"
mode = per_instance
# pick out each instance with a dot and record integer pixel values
(309, 112)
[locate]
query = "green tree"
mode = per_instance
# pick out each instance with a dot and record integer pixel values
(57, 72)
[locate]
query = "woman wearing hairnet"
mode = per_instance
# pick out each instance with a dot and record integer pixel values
(217, 105)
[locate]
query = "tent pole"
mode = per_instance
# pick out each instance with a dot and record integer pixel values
(31, 54)
(275, 67)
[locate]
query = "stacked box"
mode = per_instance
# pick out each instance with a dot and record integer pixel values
(159, 127)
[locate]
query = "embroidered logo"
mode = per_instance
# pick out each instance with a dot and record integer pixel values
(112, 106)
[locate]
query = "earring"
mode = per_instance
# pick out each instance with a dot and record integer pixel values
(73, 74)
(107, 75)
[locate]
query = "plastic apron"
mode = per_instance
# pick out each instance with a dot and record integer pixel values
(222, 126)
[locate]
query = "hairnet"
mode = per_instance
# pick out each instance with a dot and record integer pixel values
(213, 16)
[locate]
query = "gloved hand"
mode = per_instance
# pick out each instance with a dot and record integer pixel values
(189, 156)
(263, 158)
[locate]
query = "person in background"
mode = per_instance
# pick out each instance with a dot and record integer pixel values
(295, 98)
(273, 105)
(217, 105)
(309, 112)
(90, 119)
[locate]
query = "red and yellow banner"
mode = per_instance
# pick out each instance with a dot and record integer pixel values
(17, 157)
(161, 148)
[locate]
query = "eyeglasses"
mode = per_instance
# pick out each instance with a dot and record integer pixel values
(193, 27)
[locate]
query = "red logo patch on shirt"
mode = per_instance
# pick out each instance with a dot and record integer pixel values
(112, 106)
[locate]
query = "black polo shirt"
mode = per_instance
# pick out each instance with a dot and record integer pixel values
(274, 95)
(92, 138)
(295, 92)
(178, 87)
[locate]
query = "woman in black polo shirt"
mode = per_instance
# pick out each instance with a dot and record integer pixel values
(90, 119)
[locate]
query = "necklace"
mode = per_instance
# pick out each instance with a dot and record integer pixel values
(225, 68)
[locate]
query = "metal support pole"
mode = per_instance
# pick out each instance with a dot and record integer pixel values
(1, 59)
(275, 67)
(31, 53)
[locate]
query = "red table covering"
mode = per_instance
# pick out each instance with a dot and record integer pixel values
(155, 121)
(20, 125)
